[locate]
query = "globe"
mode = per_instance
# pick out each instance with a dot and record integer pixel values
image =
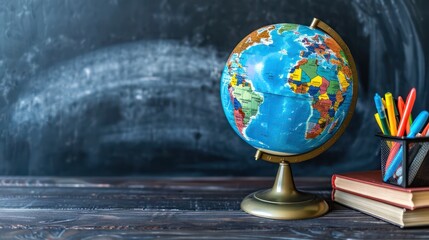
(287, 89)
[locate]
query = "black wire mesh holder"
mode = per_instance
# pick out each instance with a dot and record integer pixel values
(413, 171)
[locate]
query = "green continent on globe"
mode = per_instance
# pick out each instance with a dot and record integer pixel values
(287, 27)
(246, 101)
(327, 90)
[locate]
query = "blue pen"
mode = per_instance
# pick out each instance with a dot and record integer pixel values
(415, 128)
(381, 114)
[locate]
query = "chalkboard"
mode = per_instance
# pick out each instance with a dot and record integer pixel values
(132, 87)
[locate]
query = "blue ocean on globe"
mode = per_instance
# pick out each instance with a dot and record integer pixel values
(286, 88)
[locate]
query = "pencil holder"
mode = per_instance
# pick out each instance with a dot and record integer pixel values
(404, 161)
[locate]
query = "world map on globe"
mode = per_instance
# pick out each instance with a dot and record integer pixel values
(287, 88)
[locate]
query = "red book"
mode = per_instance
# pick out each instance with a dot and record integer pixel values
(370, 185)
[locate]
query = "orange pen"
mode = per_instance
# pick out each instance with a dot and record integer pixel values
(401, 106)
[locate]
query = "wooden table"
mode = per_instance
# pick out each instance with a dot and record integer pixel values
(167, 208)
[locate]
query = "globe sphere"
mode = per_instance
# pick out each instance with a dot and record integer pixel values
(287, 88)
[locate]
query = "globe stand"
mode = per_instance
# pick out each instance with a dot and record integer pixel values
(283, 201)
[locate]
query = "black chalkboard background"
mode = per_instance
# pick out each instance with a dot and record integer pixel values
(132, 87)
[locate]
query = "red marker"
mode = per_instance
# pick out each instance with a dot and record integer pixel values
(411, 98)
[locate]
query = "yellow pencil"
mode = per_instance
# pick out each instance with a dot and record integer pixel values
(387, 118)
(391, 114)
(384, 102)
(377, 118)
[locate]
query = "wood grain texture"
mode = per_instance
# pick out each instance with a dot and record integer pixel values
(175, 208)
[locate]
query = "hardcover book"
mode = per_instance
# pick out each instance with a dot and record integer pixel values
(370, 185)
(389, 213)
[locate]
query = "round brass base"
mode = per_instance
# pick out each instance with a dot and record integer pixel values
(301, 206)
(283, 201)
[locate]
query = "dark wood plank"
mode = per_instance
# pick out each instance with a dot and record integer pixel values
(337, 224)
(209, 183)
(178, 208)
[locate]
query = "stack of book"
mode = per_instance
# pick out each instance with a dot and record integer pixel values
(366, 192)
